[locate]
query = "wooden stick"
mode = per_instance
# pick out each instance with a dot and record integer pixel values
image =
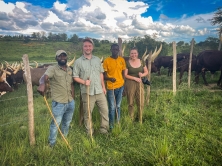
(89, 112)
(140, 105)
(56, 123)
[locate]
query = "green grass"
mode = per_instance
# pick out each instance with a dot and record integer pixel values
(181, 129)
(44, 51)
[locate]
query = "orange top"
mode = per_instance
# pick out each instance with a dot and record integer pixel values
(114, 68)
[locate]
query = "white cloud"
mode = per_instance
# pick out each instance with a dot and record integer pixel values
(7, 8)
(21, 6)
(104, 19)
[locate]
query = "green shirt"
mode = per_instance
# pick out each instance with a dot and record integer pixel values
(134, 71)
(89, 69)
(60, 83)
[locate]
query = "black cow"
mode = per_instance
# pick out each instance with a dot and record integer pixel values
(15, 78)
(167, 62)
(183, 66)
(209, 60)
(4, 87)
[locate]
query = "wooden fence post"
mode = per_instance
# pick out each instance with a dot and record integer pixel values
(30, 99)
(120, 42)
(149, 78)
(190, 62)
(174, 68)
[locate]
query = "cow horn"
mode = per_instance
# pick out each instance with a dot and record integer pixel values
(2, 67)
(156, 53)
(17, 69)
(123, 50)
(7, 72)
(144, 55)
(36, 64)
(101, 60)
(6, 62)
(72, 61)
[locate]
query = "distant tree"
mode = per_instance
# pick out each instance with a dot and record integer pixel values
(180, 43)
(217, 20)
(96, 43)
(64, 37)
(34, 35)
(105, 41)
(50, 36)
(26, 39)
(74, 39)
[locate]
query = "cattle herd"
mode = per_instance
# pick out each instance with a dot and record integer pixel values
(209, 60)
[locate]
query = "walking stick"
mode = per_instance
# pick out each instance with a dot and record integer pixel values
(140, 105)
(117, 116)
(56, 123)
(89, 114)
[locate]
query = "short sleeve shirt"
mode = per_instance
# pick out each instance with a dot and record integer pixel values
(114, 68)
(89, 69)
(60, 83)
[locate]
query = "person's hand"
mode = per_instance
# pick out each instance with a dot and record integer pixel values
(112, 79)
(137, 79)
(87, 82)
(41, 89)
(140, 74)
(104, 90)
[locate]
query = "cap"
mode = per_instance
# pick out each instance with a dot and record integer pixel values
(89, 40)
(59, 52)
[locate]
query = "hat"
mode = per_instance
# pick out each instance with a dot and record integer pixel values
(89, 40)
(59, 52)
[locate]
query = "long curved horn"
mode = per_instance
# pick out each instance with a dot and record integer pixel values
(36, 64)
(7, 72)
(6, 62)
(71, 62)
(17, 69)
(123, 50)
(143, 57)
(153, 54)
(156, 54)
(2, 67)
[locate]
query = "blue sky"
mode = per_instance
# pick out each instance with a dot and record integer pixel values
(169, 20)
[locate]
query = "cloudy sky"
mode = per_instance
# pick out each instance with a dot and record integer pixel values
(169, 20)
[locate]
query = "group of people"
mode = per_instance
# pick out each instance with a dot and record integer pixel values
(100, 84)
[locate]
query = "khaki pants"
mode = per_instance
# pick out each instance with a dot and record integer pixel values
(132, 90)
(101, 102)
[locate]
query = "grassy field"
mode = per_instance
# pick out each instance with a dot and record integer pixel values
(181, 129)
(44, 51)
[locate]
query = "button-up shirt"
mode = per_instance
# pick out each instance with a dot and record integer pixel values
(60, 83)
(89, 69)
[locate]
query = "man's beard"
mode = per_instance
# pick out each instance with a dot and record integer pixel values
(62, 63)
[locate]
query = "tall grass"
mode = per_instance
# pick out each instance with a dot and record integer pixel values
(184, 129)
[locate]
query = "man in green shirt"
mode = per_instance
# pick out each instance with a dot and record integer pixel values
(88, 72)
(62, 91)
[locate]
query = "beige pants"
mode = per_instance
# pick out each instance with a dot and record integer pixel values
(132, 90)
(101, 102)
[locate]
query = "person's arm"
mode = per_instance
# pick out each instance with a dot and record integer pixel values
(102, 82)
(131, 77)
(112, 79)
(42, 84)
(144, 73)
(81, 81)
